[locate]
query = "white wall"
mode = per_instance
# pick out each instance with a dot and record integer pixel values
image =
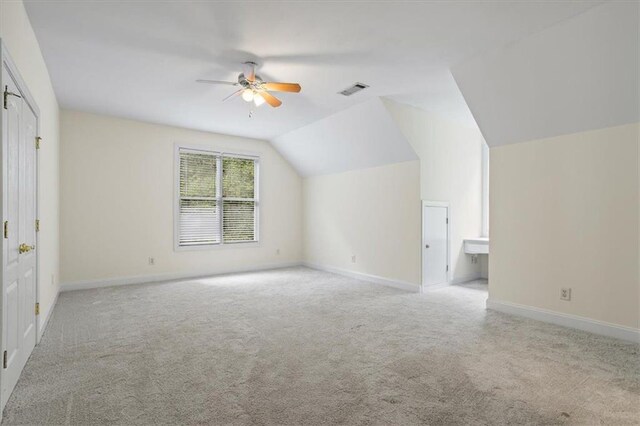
(564, 213)
(373, 214)
(19, 39)
(450, 170)
(117, 180)
(484, 266)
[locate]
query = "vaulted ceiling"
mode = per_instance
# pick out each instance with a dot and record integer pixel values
(140, 60)
(362, 136)
(581, 74)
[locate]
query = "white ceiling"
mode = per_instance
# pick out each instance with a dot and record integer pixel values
(579, 75)
(139, 59)
(359, 137)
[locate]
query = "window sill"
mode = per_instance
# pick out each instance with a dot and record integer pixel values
(227, 246)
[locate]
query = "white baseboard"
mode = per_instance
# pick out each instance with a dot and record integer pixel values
(144, 279)
(459, 280)
(466, 278)
(403, 285)
(567, 320)
(47, 315)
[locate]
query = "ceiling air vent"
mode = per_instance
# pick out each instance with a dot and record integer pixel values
(353, 89)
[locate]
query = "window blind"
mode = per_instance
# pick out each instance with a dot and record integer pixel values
(218, 201)
(238, 188)
(199, 221)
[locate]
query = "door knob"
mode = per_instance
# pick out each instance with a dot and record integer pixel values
(427, 246)
(23, 248)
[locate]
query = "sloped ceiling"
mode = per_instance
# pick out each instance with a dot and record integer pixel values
(362, 136)
(567, 66)
(140, 59)
(578, 75)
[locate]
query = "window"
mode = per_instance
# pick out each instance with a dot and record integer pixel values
(217, 198)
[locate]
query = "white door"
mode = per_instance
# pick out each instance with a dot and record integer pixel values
(19, 255)
(435, 240)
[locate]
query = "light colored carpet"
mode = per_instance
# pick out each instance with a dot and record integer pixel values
(298, 346)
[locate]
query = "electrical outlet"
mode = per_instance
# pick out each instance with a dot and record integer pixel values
(152, 261)
(353, 259)
(565, 294)
(277, 251)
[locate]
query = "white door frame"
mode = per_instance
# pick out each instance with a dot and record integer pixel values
(30, 101)
(426, 203)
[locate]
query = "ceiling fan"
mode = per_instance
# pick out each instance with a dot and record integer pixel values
(253, 88)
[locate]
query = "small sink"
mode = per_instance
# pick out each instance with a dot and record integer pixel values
(476, 246)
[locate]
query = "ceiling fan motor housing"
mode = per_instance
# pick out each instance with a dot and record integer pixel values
(242, 80)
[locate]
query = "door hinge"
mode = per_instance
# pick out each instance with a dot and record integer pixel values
(6, 229)
(37, 308)
(38, 140)
(37, 225)
(447, 220)
(447, 268)
(4, 360)
(7, 93)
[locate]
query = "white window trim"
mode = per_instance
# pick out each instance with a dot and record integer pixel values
(176, 197)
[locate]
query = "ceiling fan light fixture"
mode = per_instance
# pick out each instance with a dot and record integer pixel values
(258, 100)
(247, 95)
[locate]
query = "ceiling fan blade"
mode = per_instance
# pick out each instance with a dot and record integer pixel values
(271, 100)
(233, 95)
(283, 87)
(229, 83)
(249, 71)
